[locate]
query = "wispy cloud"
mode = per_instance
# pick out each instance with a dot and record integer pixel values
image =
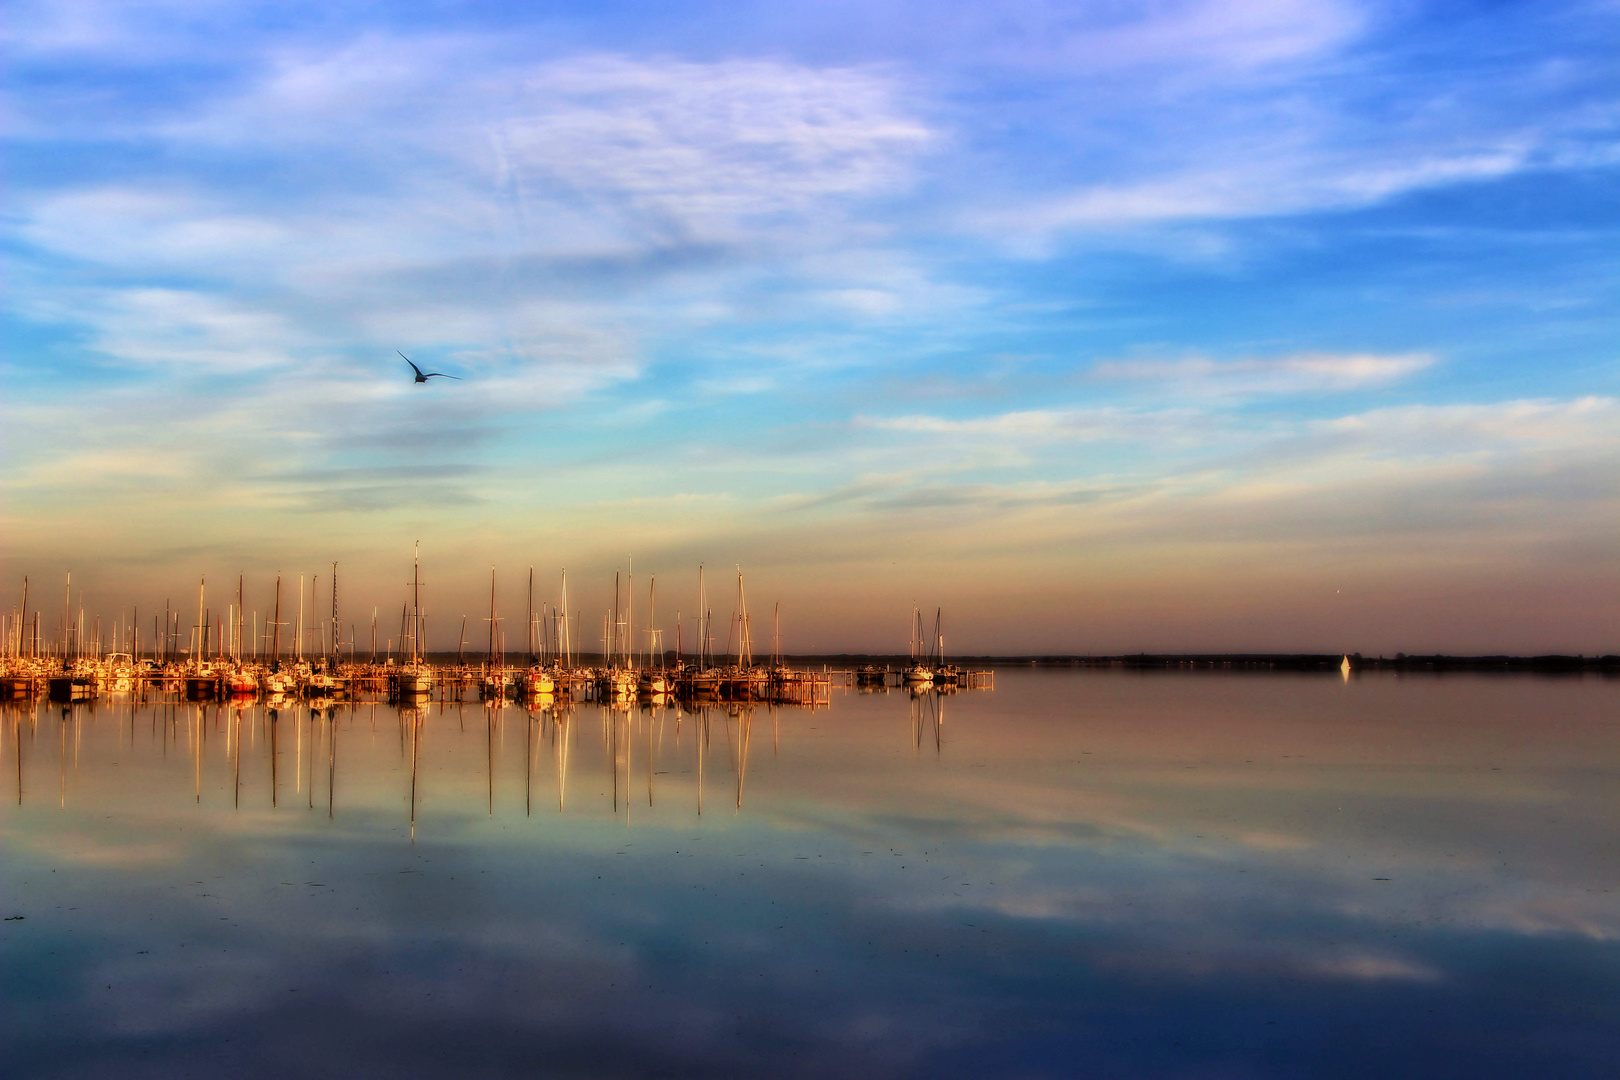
(993, 282)
(1302, 373)
(1065, 425)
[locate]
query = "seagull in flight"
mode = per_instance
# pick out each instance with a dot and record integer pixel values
(424, 376)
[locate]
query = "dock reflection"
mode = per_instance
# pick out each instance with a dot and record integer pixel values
(1166, 874)
(644, 746)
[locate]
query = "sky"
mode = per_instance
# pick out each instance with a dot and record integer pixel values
(1247, 325)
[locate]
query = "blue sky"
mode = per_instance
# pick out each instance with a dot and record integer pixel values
(1108, 326)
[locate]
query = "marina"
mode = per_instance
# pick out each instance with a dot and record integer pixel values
(230, 658)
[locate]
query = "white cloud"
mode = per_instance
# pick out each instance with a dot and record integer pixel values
(1300, 373)
(1045, 425)
(710, 142)
(1457, 430)
(1282, 174)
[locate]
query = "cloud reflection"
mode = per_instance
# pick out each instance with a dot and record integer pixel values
(1247, 868)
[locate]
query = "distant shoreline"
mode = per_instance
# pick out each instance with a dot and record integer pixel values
(1321, 662)
(1555, 664)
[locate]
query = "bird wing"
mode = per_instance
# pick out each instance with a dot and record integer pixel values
(441, 375)
(408, 360)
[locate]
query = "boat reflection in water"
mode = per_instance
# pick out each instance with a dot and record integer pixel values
(1083, 873)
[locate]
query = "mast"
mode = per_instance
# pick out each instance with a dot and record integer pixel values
(611, 638)
(336, 648)
(703, 606)
(568, 641)
(416, 600)
(745, 647)
(489, 659)
(528, 621)
(202, 624)
(275, 636)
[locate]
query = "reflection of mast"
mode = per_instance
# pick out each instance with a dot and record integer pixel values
(274, 728)
(308, 778)
(651, 757)
(702, 740)
(416, 753)
(613, 755)
(745, 728)
(559, 732)
(331, 759)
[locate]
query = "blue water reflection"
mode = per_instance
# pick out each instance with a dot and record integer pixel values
(1079, 874)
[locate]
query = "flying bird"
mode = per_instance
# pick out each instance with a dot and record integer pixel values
(424, 376)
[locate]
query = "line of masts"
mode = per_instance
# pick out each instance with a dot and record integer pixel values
(238, 635)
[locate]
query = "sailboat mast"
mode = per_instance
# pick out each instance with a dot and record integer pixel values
(745, 651)
(489, 659)
(568, 641)
(336, 649)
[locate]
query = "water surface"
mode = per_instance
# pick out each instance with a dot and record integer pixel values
(1081, 873)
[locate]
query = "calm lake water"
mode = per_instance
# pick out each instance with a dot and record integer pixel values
(1077, 874)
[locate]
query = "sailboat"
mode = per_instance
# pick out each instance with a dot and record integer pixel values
(917, 673)
(414, 678)
(944, 674)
